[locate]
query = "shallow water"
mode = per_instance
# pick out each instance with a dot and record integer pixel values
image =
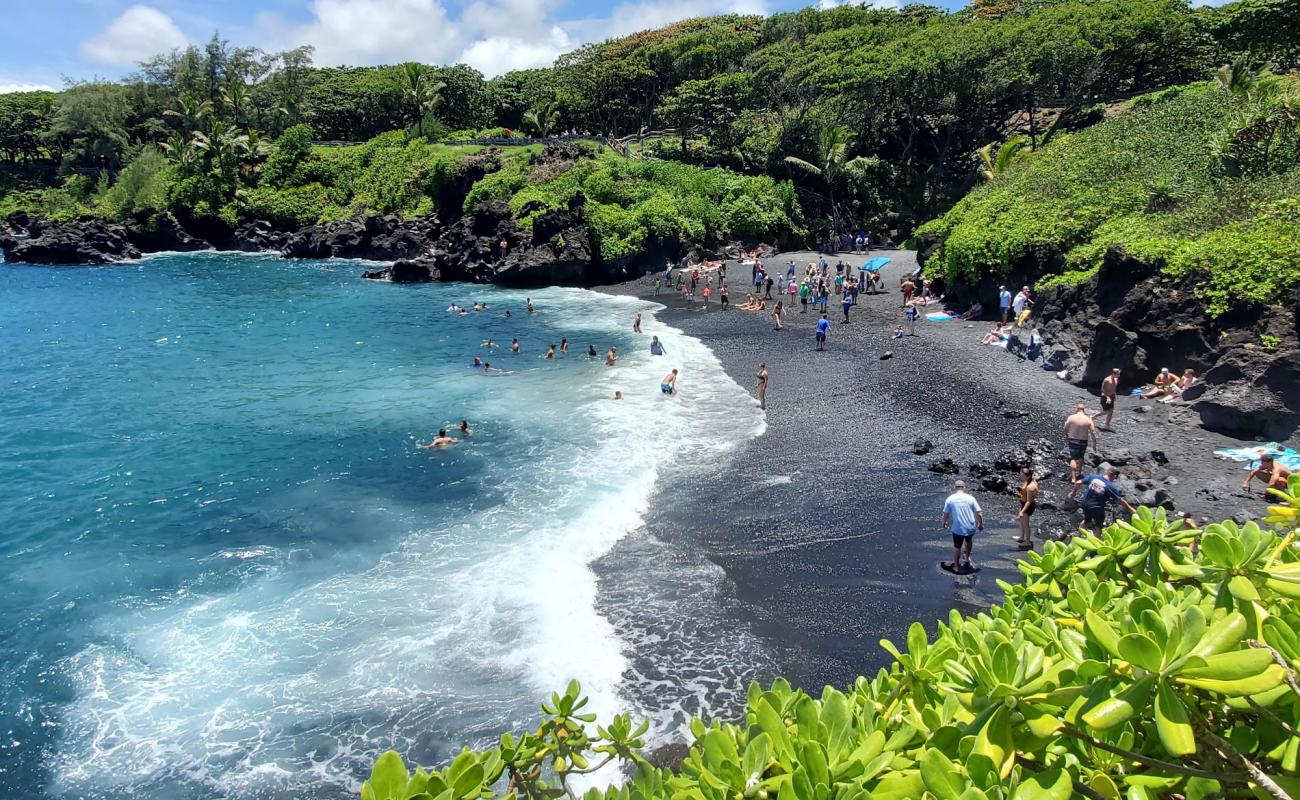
(230, 572)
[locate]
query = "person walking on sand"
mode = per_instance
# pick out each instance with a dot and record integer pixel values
(846, 303)
(762, 385)
(908, 288)
(1028, 503)
(659, 282)
(964, 517)
(724, 297)
(656, 347)
(1079, 430)
(776, 316)
(636, 323)
(611, 358)
(669, 384)
(823, 327)
(706, 294)
(1004, 302)
(1109, 387)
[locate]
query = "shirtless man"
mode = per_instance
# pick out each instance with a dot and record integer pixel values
(1163, 383)
(1079, 430)
(636, 323)
(611, 357)
(908, 287)
(669, 384)
(1108, 388)
(440, 441)
(1269, 472)
(514, 346)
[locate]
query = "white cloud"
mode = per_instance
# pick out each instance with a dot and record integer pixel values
(493, 36)
(8, 88)
(140, 32)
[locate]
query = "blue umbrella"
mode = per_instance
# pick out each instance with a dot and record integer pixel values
(875, 264)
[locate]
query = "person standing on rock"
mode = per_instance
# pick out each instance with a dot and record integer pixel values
(1028, 504)
(964, 517)
(1079, 430)
(1109, 387)
(762, 385)
(823, 327)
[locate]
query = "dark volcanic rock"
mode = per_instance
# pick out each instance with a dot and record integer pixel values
(259, 236)
(80, 241)
(382, 238)
(922, 446)
(1131, 316)
(945, 466)
(160, 233)
(407, 271)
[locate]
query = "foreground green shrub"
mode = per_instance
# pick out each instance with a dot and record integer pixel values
(1124, 666)
(140, 187)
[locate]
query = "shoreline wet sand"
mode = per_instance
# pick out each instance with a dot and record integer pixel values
(827, 526)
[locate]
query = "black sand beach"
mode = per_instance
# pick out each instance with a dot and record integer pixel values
(827, 526)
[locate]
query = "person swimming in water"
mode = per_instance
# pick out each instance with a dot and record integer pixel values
(611, 357)
(564, 346)
(530, 305)
(464, 429)
(550, 351)
(507, 314)
(489, 343)
(478, 363)
(669, 384)
(656, 347)
(618, 395)
(514, 346)
(591, 351)
(636, 323)
(440, 441)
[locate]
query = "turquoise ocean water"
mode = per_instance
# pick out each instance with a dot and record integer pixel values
(229, 572)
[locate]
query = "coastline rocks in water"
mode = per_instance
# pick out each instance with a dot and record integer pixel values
(161, 232)
(420, 270)
(922, 446)
(382, 238)
(259, 236)
(87, 241)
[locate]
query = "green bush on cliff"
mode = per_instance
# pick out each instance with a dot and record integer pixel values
(1124, 666)
(628, 201)
(1163, 180)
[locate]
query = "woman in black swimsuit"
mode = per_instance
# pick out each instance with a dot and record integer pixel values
(1028, 502)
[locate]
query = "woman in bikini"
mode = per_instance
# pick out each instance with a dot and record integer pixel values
(1028, 503)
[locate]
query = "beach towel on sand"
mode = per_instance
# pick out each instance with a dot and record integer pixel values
(1285, 456)
(938, 317)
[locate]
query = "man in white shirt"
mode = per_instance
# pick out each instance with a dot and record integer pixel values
(1018, 305)
(963, 516)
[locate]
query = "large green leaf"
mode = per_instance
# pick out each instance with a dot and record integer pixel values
(1139, 650)
(1052, 784)
(388, 777)
(1231, 666)
(1171, 722)
(941, 775)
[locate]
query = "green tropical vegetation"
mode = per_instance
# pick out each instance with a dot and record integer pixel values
(1155, 660)
(875, 118)
(1202, 180)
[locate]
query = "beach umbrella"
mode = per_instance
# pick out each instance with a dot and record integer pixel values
(875, 264)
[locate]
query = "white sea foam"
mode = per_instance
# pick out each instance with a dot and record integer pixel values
(292, 682)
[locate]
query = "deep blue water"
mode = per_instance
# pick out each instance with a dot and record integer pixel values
(229, 572)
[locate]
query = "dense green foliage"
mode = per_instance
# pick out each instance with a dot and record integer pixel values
(1204, 180)
(1127, 665)
(910, 96)
(627, 202)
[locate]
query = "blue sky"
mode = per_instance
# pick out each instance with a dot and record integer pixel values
(43, 42)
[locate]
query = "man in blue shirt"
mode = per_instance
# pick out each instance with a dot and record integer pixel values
(963, 516)
(1098, 492)
(823, 327)
(1004, 302)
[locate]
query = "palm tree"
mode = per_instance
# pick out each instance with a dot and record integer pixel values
(993, 164)
(180, 151)
(832, 161)
(192, 112)
(424, 95)
(542, 119)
